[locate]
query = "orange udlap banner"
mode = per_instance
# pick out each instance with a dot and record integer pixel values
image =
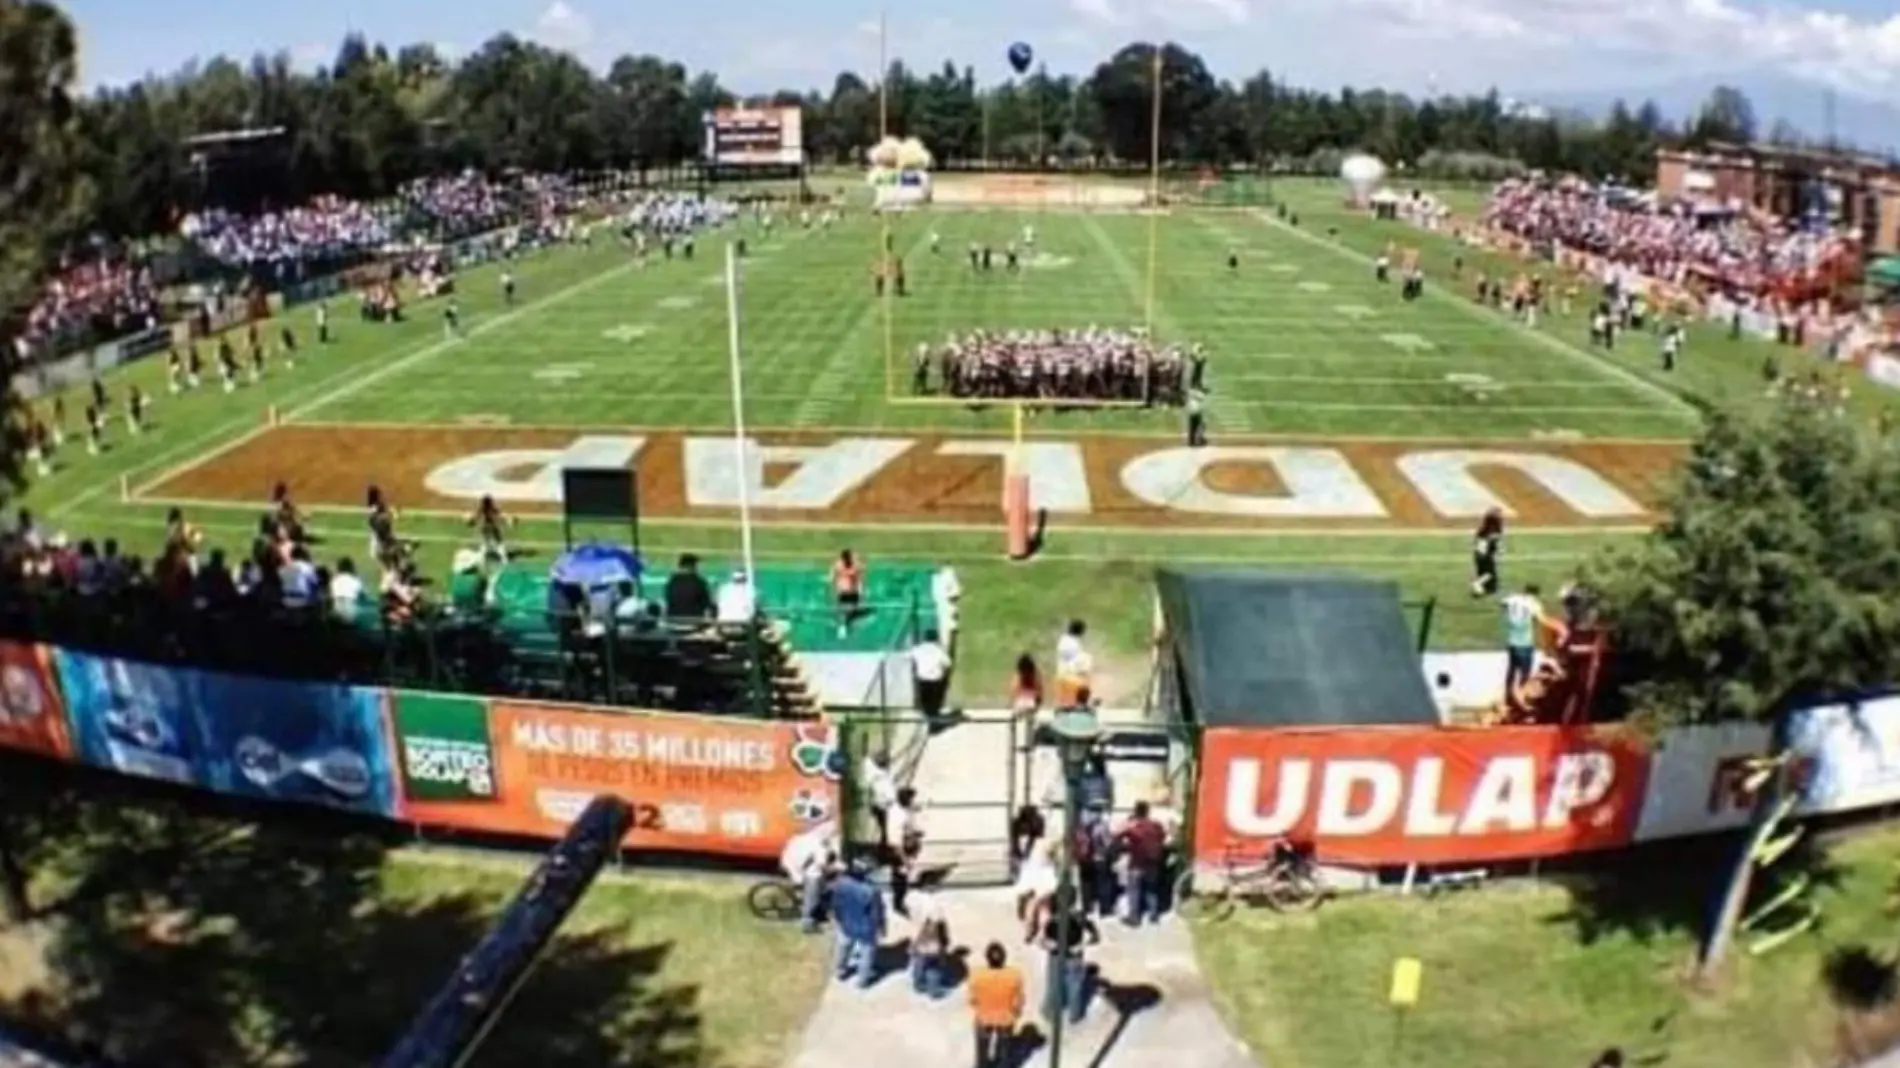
(1404, 795)
(701, 784)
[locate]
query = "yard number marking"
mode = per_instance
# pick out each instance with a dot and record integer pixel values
(1316, 287)
(1407, 342)
(627, 333)
(677, 303)
(1283, 268)
(1353, 311)
(562, 372)
(1475, 386)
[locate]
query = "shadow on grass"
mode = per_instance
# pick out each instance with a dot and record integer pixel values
(180, 940)
(1673, 888)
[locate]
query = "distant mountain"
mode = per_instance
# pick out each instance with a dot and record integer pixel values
(1858, 122)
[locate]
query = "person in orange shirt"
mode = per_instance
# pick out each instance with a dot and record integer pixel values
(847, 588)
(996, 1004)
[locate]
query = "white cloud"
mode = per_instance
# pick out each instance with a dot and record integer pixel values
(1099, 11)
(1615, 38)
(561, 26)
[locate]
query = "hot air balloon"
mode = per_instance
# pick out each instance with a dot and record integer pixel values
(1021, 56)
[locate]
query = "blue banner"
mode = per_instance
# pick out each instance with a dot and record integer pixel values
(271, 739)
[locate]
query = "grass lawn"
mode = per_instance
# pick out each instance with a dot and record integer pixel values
(1304, 345)
(1552, 974)
(173, 938)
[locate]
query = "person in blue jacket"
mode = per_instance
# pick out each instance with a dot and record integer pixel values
(857, 907)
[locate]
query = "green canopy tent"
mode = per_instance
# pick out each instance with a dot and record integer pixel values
(1885, 272)
(1253, 649)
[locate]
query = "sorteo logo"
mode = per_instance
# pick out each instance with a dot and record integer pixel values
(815, 751)
(1423, 795)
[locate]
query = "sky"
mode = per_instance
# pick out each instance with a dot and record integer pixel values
(1522, 47)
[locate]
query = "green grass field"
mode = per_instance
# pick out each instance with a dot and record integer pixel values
(1303, 342)
(1557, 972)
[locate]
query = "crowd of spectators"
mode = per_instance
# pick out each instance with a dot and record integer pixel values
(90, 298)
(328, 229)
(1734, 250)
(100, 296)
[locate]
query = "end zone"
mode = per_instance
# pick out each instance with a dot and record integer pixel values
(928, 481)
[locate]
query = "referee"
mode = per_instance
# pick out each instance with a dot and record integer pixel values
(1196, 417)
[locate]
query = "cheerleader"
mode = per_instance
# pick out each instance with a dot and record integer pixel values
(285, 514)
(1485, 547)
(39, 447)
(181, 538)
(227, 365)
(387, 549)
(59, 420)
(490, 523)
(135, 405)
(289, 338)
(194, 366)
(95, 429)
(323, 323)
(174, 371)
(257, 356)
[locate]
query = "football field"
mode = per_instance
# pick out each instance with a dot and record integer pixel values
(1352, 431)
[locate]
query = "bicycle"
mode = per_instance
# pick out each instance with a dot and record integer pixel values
(777, 900)
(1285, 879)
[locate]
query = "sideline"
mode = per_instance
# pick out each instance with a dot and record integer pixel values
(186, 450)
(1628, 377)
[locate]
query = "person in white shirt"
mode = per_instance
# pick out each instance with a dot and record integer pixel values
(809, 860)
(946, 593)
(1523, 613)
(346, 591)
(907, 844)
(1035, 888)
(1069, 647)
(930, 665)
(880, 787)
(737, 601)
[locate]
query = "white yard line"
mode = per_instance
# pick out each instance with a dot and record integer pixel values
(1456, 541)
(833, 381)
(353, 378)
(1224, 413)
(1568, 351)
(358, 383)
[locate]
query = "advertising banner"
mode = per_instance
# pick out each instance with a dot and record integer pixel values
(1695, 780)
(251, 737)
(1847, 756)
(32, 716)
(697, 784)
(1379, 796)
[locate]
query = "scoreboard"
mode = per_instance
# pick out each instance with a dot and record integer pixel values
(753, 137)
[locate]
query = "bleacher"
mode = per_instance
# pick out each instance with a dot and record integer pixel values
(685, 664)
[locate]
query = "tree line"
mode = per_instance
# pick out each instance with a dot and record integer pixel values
(378, 115)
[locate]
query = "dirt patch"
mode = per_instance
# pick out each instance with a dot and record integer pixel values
(934, 481)
(1034, 191)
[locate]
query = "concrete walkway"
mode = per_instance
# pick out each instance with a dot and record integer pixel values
(1150, 1008)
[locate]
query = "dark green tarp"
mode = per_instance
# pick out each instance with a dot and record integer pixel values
(1254, 649)
(1885, 272)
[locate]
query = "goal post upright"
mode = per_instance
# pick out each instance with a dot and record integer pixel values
(1154, 194)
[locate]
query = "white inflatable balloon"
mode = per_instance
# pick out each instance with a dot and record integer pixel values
(1362, 174)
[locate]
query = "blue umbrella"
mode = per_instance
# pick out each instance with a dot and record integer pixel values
(594, 565)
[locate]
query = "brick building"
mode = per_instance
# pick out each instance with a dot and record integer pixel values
(1859, 192)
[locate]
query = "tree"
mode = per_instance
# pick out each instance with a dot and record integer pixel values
(1767, 587)
(1728, 117)
(40, 201)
